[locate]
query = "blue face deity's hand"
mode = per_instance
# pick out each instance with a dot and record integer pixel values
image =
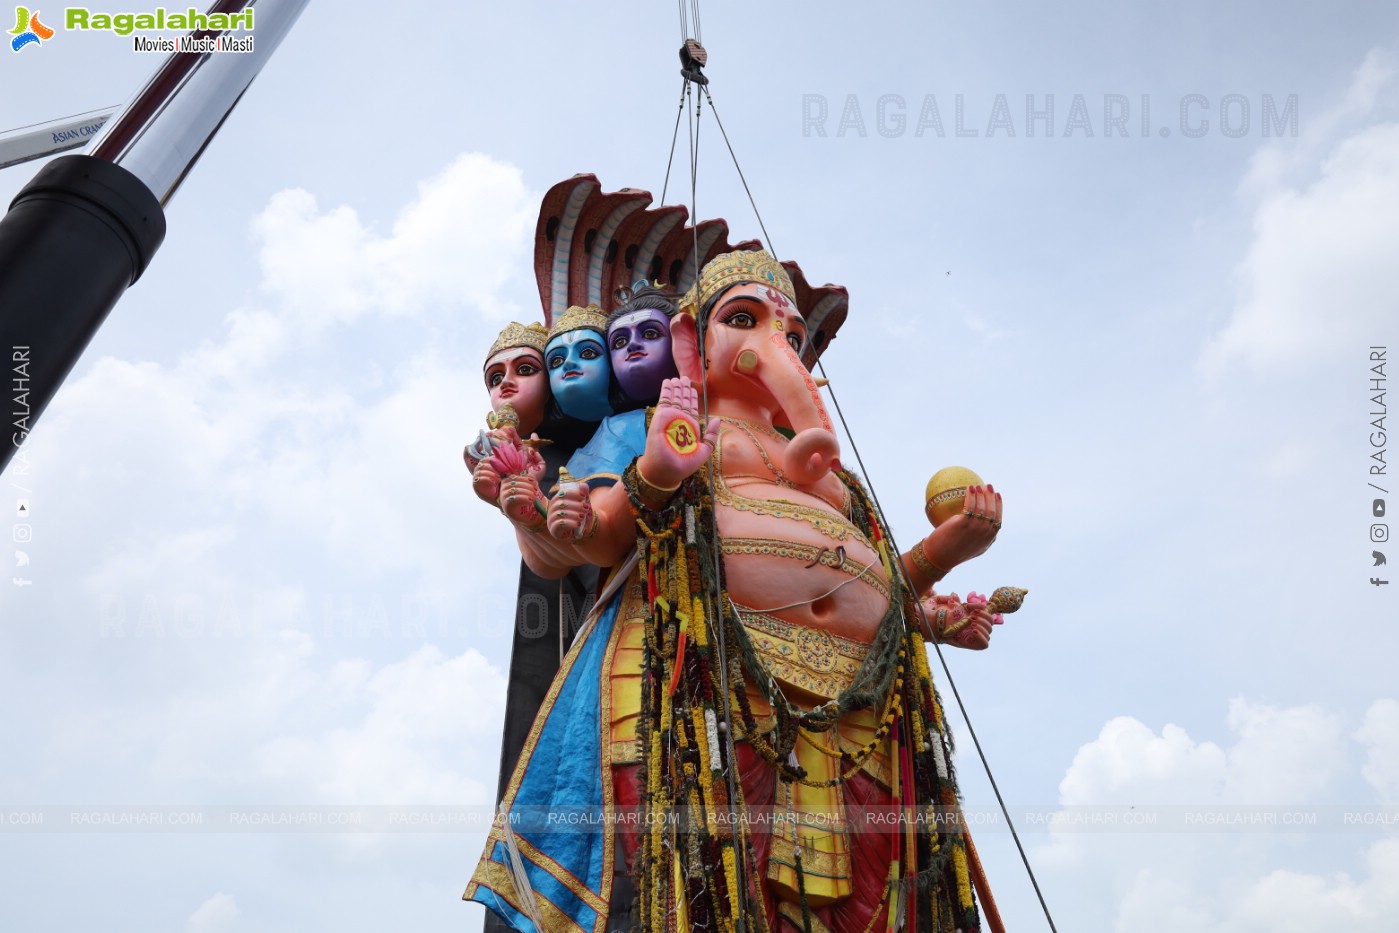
(579, 374)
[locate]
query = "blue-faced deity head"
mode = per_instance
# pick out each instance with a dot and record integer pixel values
(580, 375)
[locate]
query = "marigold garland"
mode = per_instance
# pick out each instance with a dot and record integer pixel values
(688, 725)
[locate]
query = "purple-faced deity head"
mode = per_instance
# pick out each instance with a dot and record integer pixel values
(638, 339)
(576, 356)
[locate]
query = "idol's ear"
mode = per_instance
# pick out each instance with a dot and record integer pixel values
(684, 346)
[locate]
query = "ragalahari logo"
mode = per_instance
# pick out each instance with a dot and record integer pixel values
(28, 30)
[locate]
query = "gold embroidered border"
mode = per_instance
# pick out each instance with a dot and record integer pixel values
(853, 732)
(830, 523)
(816, 823)
(808, 553)
(563, 875)
(811, 659)
(792, 913)
(609, 846)
(624, 686)
(495, 877)
(539, 860)
(626, 752)
(488, 868)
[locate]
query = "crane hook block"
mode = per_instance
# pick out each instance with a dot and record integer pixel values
(693, 58)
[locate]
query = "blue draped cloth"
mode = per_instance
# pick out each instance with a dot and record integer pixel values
(559, 799)
(618, 440)
(556, 803)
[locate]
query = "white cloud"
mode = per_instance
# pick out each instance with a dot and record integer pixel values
(1316, 279)
(427, 715)
(1272, 165)
(1281, 756)
(216, 915)
(282, 525)
(263, 441)
(1217, 901)
(378, 479)
(1297, 902)
(283, 722)
(1224, 880)
(457, 245)
(1161, 904)
(1128, 763)
(1380, 735)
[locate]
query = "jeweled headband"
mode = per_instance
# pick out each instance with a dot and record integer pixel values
(739, 267)
(515, 334)
(576, 318)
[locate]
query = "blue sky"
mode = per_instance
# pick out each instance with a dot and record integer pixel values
(260, 577)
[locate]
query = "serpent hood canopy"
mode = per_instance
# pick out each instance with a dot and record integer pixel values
(589, 242)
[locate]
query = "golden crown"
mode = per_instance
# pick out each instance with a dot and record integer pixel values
(738, 267)
(575, 318)
(515, 334)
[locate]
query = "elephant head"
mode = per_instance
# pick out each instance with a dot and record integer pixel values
(744, 309)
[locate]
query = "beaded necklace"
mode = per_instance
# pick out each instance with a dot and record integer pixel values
(778, 475)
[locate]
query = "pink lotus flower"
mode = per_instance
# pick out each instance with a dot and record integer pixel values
(509, 459)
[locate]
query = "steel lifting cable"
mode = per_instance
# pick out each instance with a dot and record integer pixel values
(942, 660)
(845, 426)
(674, 137)
(761, 226)
(712, 609)
(694, 125)
(693, 26)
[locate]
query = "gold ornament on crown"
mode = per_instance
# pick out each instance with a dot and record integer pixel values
(736, 268)
(575, 318)
(515, 335)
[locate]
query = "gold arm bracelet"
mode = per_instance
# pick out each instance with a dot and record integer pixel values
(653, 496)
(920, 560)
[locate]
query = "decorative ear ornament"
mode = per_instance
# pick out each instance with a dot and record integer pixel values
(507, 417)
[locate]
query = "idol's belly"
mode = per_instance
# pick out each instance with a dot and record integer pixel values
(803, 570)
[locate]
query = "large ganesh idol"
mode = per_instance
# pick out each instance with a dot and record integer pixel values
(755, 702)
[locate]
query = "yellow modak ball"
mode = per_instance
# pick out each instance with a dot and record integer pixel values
(947, 492)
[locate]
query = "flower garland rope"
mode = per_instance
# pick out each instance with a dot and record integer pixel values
(689, 856)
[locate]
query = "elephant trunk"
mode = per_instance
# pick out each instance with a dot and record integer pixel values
(814, 449)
